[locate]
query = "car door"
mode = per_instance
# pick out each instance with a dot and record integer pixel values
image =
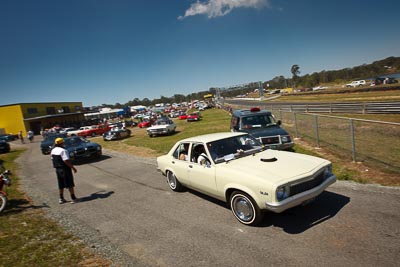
(202, 177)
(181, 167)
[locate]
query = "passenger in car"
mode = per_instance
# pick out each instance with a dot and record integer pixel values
(202, 159)
(183, 155)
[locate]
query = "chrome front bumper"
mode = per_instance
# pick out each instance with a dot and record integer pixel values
(300, 198)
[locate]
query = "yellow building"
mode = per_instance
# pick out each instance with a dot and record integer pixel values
(36, 116)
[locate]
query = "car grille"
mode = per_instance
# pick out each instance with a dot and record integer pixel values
(307, 185)
(158, 130)
(273, 140)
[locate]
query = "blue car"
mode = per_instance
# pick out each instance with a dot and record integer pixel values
(4, 146)
(8, 137)
(47, 144)
(79, 148)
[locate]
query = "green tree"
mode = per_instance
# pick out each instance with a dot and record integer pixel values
(295, 73)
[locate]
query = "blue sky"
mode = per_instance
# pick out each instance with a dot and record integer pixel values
(112, 51)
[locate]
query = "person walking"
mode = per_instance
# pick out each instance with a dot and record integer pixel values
(64, 168)
(21, 137)
(30, 136)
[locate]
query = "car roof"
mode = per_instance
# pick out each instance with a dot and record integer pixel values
(247, 112)
(212, 137)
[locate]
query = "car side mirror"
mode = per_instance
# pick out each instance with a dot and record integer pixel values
(279, 122)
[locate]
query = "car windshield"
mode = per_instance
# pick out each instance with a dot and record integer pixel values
(233, 147)
(75, 141)
(51, 138)
(257, 121)
(162, 122)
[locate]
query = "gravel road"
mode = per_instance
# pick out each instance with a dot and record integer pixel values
(129, 214)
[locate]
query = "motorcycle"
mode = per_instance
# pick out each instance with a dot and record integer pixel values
(4, 180)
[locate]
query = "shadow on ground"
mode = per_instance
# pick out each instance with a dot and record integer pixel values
(301, 218)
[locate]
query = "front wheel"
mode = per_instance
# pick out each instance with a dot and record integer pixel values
(3, 202)
(173, 182)
(245, 209)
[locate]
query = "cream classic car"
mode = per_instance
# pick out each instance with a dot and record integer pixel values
(237, 169)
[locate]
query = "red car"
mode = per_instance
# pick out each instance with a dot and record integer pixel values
(183, 117)
(145, 123)
(193, 117)
(94, 130)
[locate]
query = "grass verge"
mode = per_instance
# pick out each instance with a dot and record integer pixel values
(28, 238)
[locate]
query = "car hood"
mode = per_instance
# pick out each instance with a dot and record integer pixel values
(265, 131)
(46, 144)
(80, 146)
(157, 127)
(288, 166)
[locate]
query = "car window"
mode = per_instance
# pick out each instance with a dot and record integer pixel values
(233, 147)
(182, 151)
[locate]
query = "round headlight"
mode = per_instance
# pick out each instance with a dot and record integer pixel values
(281, 193)
(328, 171)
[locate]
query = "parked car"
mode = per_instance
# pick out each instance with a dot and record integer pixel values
(356, 83)
(195, 116)
(4, 146)
(382, 80)
(48, 142)
(163, 126)
(116, 133)
(317, 88)
(67, 130)
(145, 123)
(79, 148)
(236, 168)
(94, 130)
(77, 131)
(8, 137)
(183, 116)
(263, 126)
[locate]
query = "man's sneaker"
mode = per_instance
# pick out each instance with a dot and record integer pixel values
(76, 200)
(62, 201)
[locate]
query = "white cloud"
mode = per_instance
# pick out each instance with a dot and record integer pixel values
(217, 8)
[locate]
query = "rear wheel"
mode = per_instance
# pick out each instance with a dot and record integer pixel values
(245, 209)
(3, 202)
(173, 182)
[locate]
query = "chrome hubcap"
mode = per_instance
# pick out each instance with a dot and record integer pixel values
(171, 180)
(243, 209)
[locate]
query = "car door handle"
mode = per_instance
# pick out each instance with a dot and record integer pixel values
(190, 166)
(173, 162)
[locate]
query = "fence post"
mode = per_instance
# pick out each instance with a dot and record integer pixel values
(353, 141)
(295, 125)
(316, 129)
